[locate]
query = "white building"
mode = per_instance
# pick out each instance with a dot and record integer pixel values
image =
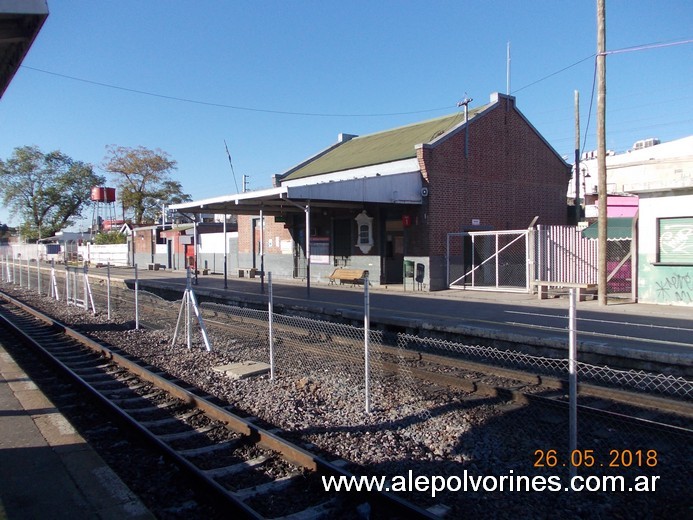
(649, 162)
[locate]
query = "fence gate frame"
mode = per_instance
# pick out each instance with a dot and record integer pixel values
(526, 234)
(554, 253)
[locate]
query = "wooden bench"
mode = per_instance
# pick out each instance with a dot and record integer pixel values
(344, 275)
(582, 288)
(155, 267)
(250, 272)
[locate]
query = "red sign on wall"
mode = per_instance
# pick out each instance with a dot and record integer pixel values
(406, 220)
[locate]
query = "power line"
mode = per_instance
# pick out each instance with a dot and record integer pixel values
(554, 73)
(636, 48)
(232, 107)
(648, 46)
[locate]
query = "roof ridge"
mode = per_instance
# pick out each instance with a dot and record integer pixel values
(472, 111)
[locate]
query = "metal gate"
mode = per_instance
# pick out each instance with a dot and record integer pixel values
(511, 260)
(490, 260)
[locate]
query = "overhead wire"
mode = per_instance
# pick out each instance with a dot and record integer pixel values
(640, 47)
(223, 105)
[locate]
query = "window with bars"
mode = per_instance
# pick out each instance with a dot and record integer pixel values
(675, 240)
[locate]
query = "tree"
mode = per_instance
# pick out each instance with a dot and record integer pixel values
(143, 177)
(47, 190)
(110, 237)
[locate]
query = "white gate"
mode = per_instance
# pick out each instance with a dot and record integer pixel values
(511, 260)
(490, 260)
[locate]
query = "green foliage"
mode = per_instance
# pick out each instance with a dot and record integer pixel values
(47, 190)
(143, 178)
(110, 237)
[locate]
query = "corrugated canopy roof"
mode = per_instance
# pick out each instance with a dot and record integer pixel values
(20, 22)
(382, 147)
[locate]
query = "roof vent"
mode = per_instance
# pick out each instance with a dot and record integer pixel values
(343, 138)
(645, 143)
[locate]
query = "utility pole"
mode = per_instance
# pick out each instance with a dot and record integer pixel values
(577, 157)
(465, 103)
(507, 71)
(601, 148)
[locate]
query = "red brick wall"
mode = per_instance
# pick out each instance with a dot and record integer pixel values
(272, 231)
(509, 176)
(143, 241)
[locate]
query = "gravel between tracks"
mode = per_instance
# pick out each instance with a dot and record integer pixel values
(481, 435)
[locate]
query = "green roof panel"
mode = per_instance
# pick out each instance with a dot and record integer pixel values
(382, 147)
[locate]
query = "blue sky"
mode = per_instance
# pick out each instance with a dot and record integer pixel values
(280, 80)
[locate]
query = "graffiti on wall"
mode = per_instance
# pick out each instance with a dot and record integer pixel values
(676, 288)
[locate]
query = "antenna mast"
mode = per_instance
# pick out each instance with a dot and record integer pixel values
(507, 71)
(231, 164)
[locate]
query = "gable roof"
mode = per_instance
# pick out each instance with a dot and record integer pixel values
(378, 148)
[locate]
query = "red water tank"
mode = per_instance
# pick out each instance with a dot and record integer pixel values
(97, 194)
(109, 194)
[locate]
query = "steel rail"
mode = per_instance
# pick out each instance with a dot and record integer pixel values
(261, 436)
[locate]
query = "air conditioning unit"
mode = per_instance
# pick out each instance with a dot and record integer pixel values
(645, 143)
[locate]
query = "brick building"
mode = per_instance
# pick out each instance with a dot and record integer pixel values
(376, 201)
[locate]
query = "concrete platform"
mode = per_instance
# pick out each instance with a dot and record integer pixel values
(47, 470)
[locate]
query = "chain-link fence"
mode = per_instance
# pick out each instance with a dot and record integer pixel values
(459, 427)
(309, 346)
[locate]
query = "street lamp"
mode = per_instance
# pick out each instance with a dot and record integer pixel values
(585, 175)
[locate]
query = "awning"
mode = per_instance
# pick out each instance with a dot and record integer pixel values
(20, 23)
(617, 228)
(400, 188)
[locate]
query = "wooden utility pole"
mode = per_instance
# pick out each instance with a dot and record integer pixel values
(601, 147)
(577, 158)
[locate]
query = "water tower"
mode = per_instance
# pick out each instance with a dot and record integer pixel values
(104, 214)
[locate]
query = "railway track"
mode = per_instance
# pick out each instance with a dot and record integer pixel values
(514, 418)
(247, 467)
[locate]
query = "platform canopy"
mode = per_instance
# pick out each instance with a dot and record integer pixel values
(400, 188)
(20, 23)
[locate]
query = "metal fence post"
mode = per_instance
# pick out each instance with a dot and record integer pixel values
(108, 288)
(54, 283)
(84, 275)
(271, 324)
(137, 303)
(572, 378)
(38, 272)
(366, 337)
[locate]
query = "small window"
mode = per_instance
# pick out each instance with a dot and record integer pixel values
(365, 235)
(364, 232)
(675, 240)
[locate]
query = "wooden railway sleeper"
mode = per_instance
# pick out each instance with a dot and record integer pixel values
(169, 437)
(234, 469)
(204, 450)
(269, 487)
(125, 390)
